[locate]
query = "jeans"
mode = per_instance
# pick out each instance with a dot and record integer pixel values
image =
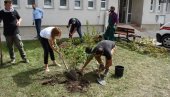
(38, 26)
(78, 31)
(15, 39)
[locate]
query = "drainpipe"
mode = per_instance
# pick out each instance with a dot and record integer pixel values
(127, 9)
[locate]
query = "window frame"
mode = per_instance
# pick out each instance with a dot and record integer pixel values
(167, 9)
(152, 5)
(30, 5)
(16, 5)
(81, 4)
(101, 8)
(64, 7)
(160, 6)
(94, 3)
(49, 6)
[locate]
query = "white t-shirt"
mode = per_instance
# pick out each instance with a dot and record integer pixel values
(46, 32)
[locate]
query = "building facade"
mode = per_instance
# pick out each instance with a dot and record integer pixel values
(148, 14)
(144, 13)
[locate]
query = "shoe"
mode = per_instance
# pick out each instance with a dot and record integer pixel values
(12, 61)
(55, 63)
(25, 60)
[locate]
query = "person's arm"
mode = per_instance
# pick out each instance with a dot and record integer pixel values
(42, 13)
(19, 22)
(19, 19)
(53, 45)
(87, 62)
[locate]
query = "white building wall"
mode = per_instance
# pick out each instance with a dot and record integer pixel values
(57, 16)
(151, 17)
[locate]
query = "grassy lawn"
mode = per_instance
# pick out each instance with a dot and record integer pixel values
(144, 76)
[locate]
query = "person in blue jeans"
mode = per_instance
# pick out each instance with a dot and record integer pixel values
(37, 18)
(75, 26)
(11, 22)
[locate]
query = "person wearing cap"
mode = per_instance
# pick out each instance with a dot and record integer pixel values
(37, 18)
(75, 26)
(103, 48)
(11, 22)
(112, 23)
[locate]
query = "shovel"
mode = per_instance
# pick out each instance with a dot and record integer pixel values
(72, 74)
(61, 57)
(101, 80)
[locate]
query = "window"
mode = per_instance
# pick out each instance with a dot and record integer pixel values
(48, 3)
(168, 6)
(63, 4)
(103, 4)
(160, 6)
(152, 6)
(78, 4)
(91, 4)
(15, 3)
(29, 3)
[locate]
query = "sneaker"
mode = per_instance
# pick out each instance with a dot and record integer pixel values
(55, 63)
(12, 61)
(25, 60)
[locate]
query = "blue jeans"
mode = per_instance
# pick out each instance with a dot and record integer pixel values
(15, 40)
(78, 31)
(38, 26)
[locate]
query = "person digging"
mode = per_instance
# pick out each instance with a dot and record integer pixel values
(103, 48)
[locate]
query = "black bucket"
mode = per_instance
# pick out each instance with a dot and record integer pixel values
(119, 71)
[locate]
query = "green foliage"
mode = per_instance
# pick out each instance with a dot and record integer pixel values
(145, 46)
(74, 54)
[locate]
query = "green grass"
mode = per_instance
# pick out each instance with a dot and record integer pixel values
(144, 76)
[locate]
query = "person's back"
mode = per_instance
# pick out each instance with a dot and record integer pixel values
(75, 26)
(107, 46)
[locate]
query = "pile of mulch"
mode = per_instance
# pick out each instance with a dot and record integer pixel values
(80, 84)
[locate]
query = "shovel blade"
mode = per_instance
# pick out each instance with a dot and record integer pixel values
(101, 81)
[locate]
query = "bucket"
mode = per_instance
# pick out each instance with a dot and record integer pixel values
(119, 71)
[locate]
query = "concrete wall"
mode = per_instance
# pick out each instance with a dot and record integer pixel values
(57, 16)
(137, 12)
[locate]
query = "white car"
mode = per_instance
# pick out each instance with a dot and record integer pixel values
(163, 36)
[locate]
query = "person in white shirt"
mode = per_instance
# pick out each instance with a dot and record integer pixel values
(48, 38)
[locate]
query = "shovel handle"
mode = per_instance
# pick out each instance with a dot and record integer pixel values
(61, 57)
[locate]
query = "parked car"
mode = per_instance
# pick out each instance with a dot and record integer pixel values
(163, 35)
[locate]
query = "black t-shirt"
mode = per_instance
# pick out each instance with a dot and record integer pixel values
(107, 46)
(9, 20)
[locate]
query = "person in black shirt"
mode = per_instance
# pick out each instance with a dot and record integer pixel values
(75, 26)
(11, 21)
(103, 48)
